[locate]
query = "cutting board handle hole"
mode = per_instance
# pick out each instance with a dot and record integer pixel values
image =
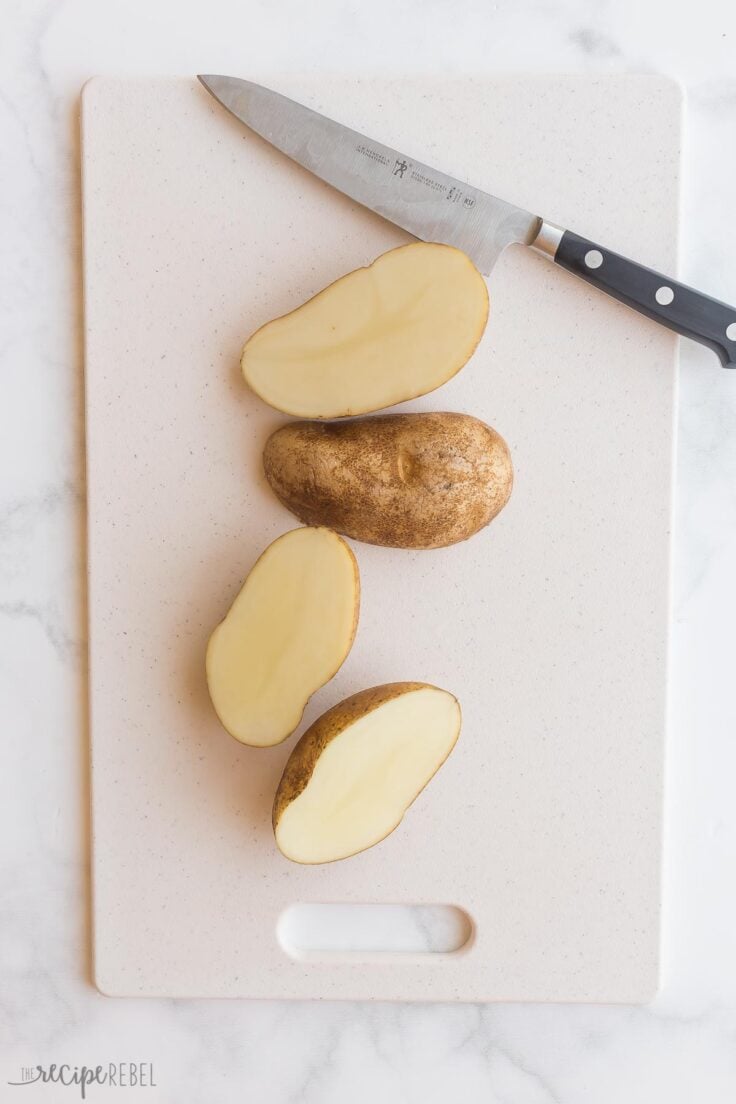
(323, 930)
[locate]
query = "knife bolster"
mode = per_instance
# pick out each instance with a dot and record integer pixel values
(547, 241)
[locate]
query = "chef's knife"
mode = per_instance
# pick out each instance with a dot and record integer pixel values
(436, 207)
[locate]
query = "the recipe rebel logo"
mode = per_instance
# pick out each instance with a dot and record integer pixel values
(117, 1075)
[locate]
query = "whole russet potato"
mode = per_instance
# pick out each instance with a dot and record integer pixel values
(398, 480)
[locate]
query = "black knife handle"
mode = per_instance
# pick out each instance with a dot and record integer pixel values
(679, 308)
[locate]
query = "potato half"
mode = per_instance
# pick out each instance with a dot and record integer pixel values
(355, 772)
(402, 480)
(380, 335)
(286, 634)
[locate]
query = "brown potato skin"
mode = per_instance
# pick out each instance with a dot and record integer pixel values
(399, 480)
(306, 753)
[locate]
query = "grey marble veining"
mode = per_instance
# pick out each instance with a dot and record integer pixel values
(680, 1049)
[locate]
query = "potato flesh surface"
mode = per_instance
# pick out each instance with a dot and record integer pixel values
(287, 632)
(378, 336)
(366, 777)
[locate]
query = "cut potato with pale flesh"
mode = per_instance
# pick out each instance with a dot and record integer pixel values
(355, 772)
(286, 634)
(397, 329)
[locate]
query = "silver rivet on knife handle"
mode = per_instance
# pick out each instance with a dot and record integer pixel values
(547, 241)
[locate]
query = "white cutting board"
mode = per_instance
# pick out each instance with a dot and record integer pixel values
(551, 625)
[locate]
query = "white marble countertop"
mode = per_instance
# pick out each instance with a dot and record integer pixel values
(680, 1049)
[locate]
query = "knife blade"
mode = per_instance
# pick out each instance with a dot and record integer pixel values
(428, 204)
(436, 207)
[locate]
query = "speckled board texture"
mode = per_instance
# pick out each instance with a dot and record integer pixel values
(551, 626)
